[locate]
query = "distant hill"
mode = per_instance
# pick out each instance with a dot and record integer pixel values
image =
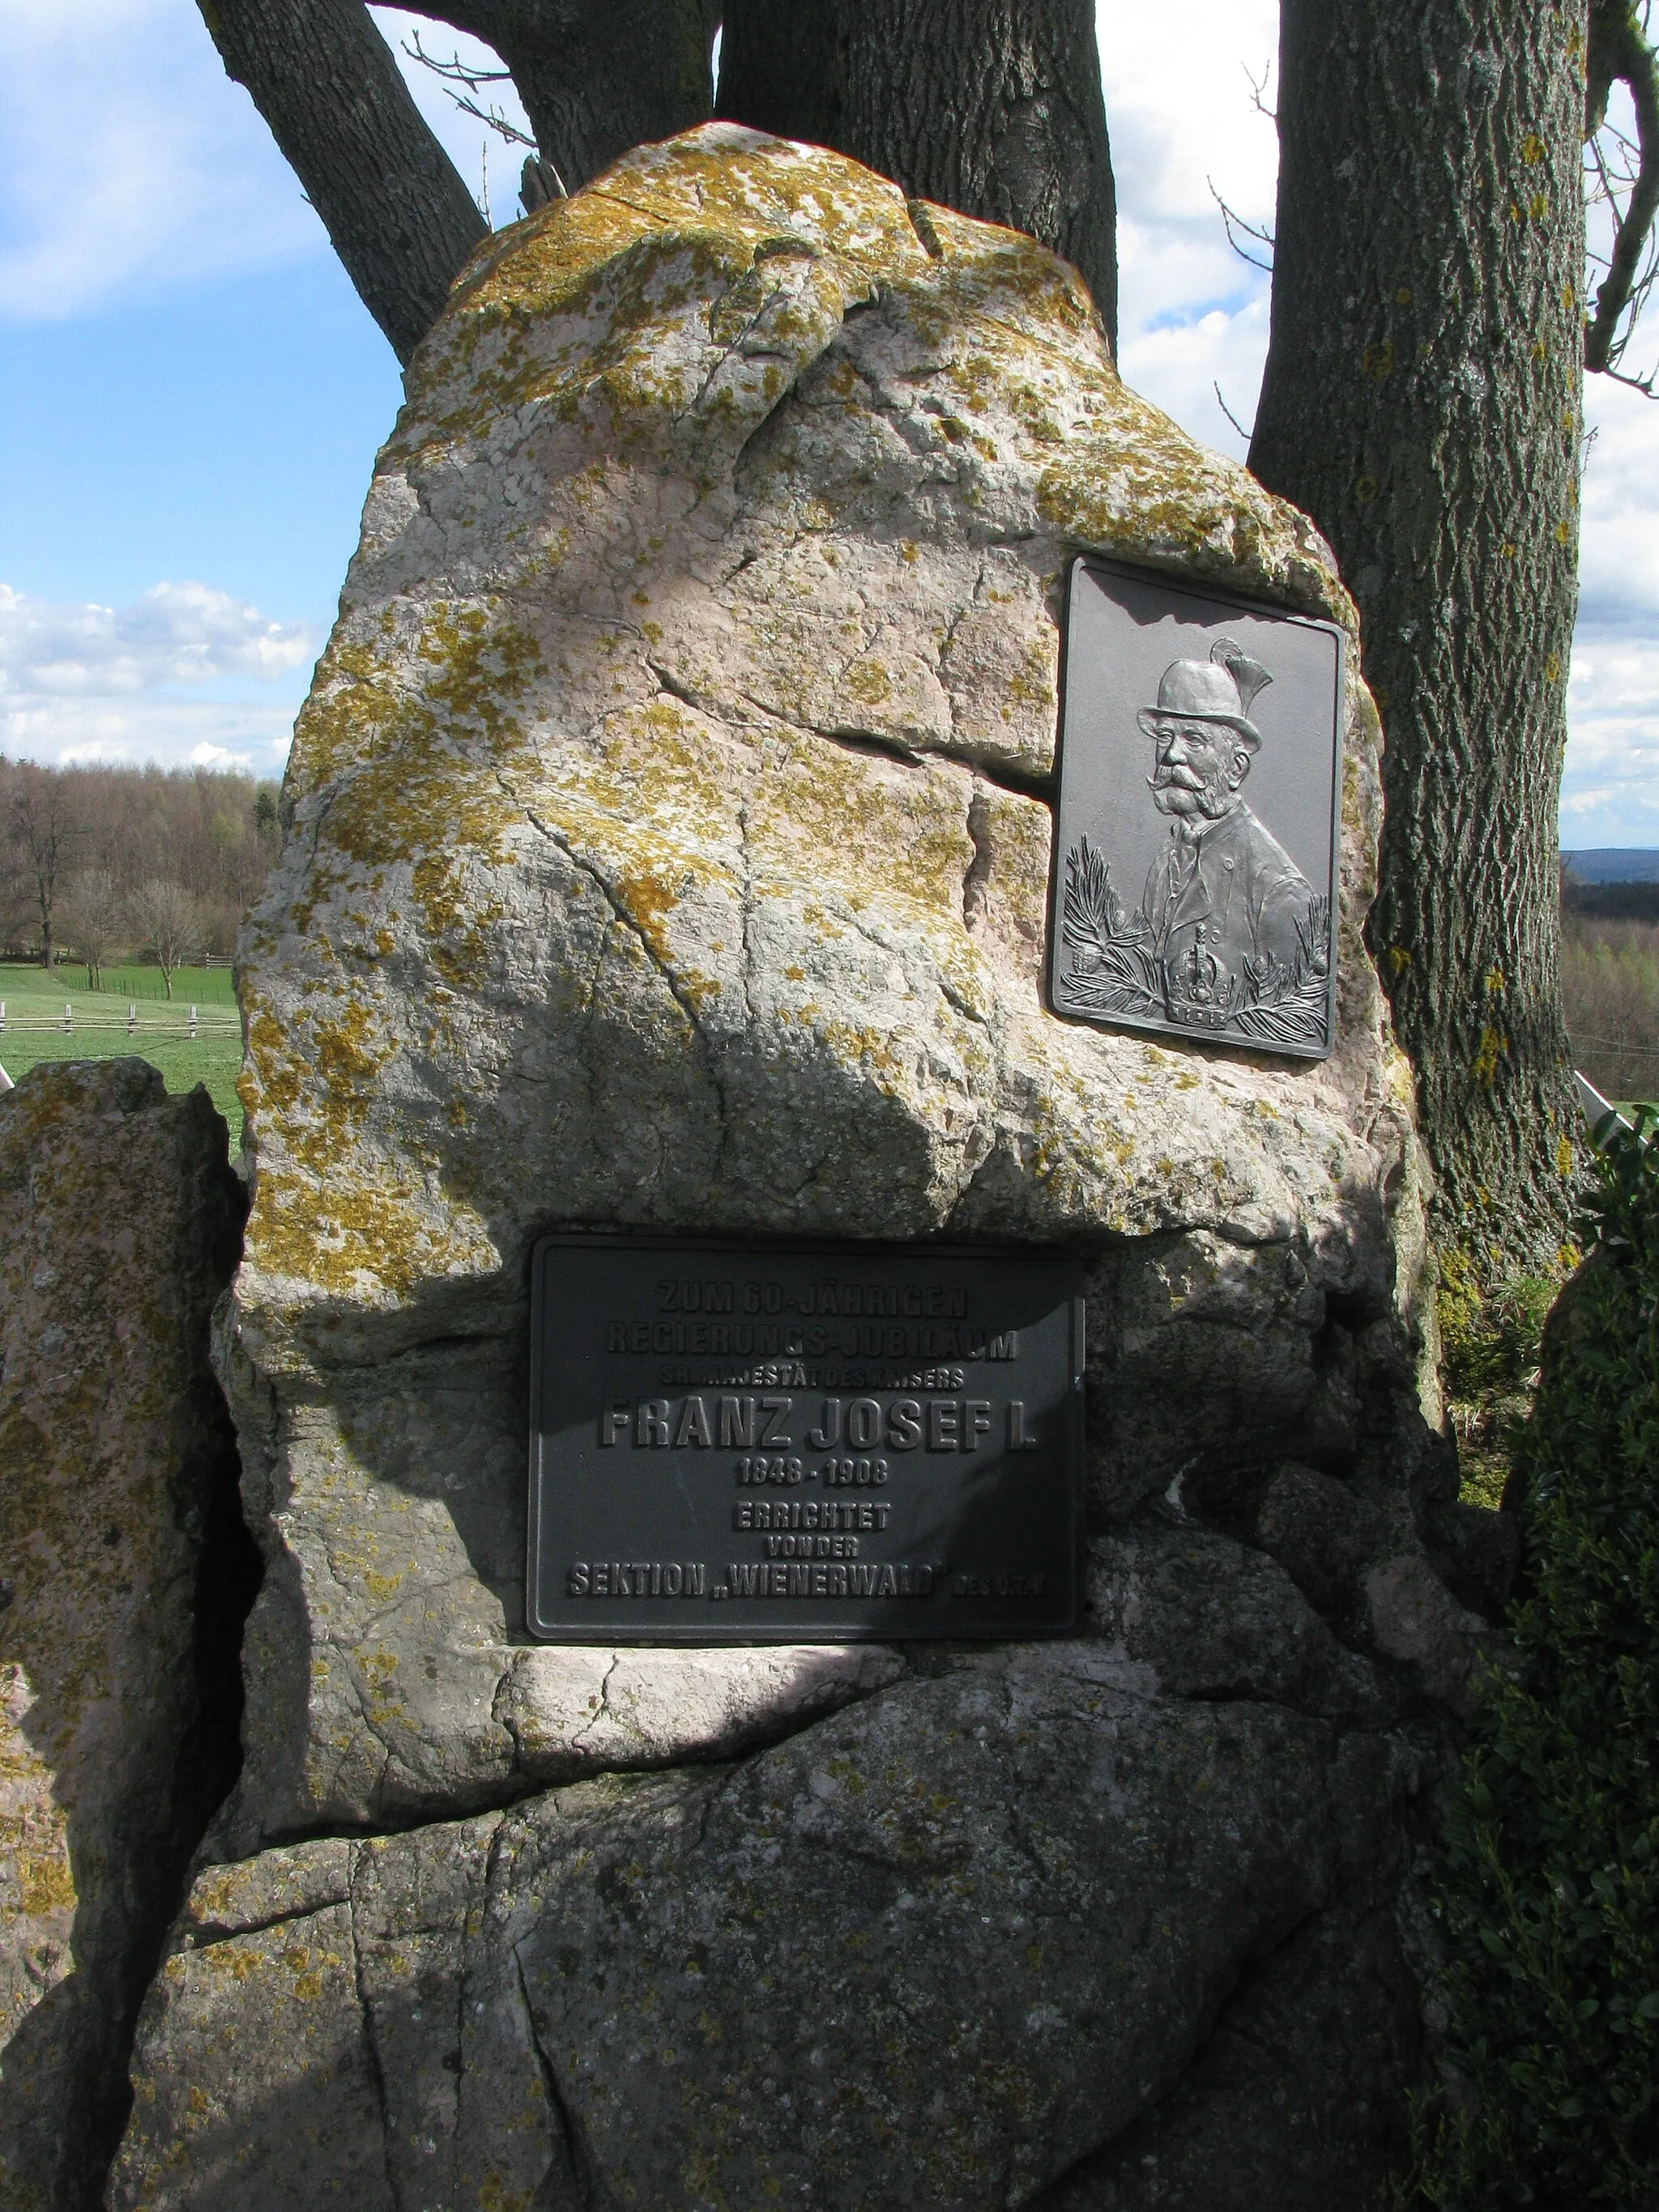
(1614, 864)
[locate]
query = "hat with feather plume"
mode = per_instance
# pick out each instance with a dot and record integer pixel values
(1222, 689)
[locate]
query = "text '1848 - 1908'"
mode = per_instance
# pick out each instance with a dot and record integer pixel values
(740, 1443)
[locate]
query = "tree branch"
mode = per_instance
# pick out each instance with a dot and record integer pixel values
(395, 208)
(597, 77)
(455, 73)
(1620, 53)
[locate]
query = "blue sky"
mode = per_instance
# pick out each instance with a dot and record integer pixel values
(193, 395)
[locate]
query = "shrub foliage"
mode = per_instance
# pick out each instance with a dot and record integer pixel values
(1550, 1893)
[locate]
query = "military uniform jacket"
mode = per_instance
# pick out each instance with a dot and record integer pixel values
(1226, 909)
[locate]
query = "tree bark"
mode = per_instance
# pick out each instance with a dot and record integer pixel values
(992, 107)
(1422, 402)
(597, 77)
(396, 211)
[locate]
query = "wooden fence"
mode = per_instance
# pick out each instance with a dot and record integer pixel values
(215, 1023)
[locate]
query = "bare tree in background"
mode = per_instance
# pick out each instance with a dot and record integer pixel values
(170, 921)
(43, 830)
(94, 919)
(214, 831)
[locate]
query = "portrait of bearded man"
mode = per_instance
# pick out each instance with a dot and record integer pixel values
(1225, 908)
(1231, 940)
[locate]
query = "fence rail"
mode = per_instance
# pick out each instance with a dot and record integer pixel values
(193, 1024)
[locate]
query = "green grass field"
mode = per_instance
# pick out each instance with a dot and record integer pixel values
(100, 1032)
(208, 987)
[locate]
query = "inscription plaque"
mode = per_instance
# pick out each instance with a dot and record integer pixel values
(748, 1443)
(1198, 780)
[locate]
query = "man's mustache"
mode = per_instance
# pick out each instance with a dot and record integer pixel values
(1173, 772)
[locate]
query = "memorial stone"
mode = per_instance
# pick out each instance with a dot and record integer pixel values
(669, 867)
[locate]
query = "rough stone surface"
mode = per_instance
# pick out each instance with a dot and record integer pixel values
(1293, 2101)
(118, 1226)
(667, 847)
(1102, 1924)
(936, 1950)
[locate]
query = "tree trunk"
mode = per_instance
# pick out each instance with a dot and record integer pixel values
(1422, 402)
(597, 77)
(396, 211)
(992, 107)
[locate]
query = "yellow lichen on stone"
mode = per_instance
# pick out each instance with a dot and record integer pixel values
(669, 849)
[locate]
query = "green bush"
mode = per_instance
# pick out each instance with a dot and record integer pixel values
(1549, 1896)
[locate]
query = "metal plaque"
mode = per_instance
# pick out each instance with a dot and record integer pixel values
(738, 1444)
(1200, 770)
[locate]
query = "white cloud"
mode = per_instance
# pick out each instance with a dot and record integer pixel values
(87, 682)
(1619, 555)
(1610, 790)
(176, 733)
(174, 634)
(1192, 314)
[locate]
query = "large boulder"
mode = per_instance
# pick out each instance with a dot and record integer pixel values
(667, 848)
(668, 840)
(119, 1222)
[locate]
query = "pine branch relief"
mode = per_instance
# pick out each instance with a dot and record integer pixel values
(1112, 967)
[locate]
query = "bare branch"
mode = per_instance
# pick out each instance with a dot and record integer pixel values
(1645, 385)
(1235, 223)
(1620, 53)
(597, 77)
(1259, 93)
(1229, 413)
(454, 72)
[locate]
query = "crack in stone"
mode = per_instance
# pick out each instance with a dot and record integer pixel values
(1016, 782)
(626, 921)
(682, 997)
(977, 874)
(199, 1940)
(576, 2163)
(746, 916)
(736, 348)
(370, 2046)
(593, 1719)
(678, 688)
(1250, 1972)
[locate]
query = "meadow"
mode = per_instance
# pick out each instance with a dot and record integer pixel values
(33, 1031)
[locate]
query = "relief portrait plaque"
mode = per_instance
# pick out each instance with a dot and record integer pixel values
(743, 1444)
(1199, 776)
